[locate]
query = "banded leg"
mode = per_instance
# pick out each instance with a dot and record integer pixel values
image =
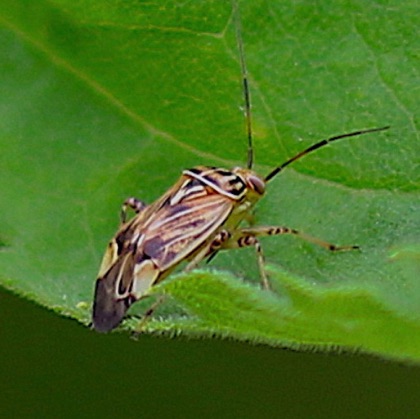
(135, 204)
(274, 230)
(251, 240)
(248, 237)
(209, 250)
(224, 240)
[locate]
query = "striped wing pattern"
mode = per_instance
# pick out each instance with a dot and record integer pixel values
(177, 231)
(153, 243)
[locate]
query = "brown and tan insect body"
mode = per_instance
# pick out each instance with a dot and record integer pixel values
(179, 226)
(197, 217)
(192, 221)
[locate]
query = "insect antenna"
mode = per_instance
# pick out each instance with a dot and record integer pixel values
(247, 95)
(314, 147)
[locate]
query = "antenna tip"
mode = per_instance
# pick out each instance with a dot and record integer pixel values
(381, 128)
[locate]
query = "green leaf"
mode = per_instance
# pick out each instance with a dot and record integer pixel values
(105, 100)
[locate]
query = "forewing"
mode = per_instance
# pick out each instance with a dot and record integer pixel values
(154, 242)
(178, 230)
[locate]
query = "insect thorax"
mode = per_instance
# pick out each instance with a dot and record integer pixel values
(237, 184)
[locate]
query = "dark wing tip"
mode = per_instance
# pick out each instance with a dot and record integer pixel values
(108, 312)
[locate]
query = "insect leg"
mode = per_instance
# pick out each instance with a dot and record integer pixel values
(274, 230)
(241, 239)
(225, 240)
(135, 204)
(147, 315)
(248, 237)
(209, 250)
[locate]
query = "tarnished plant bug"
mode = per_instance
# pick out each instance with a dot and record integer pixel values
(197, 217)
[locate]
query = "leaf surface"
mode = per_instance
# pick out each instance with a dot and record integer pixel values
(105, 100)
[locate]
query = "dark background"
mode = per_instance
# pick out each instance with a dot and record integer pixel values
(54, 367)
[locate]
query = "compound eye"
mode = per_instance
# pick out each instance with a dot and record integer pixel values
(257, 184)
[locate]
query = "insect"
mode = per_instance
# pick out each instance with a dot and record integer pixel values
(200, 215)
